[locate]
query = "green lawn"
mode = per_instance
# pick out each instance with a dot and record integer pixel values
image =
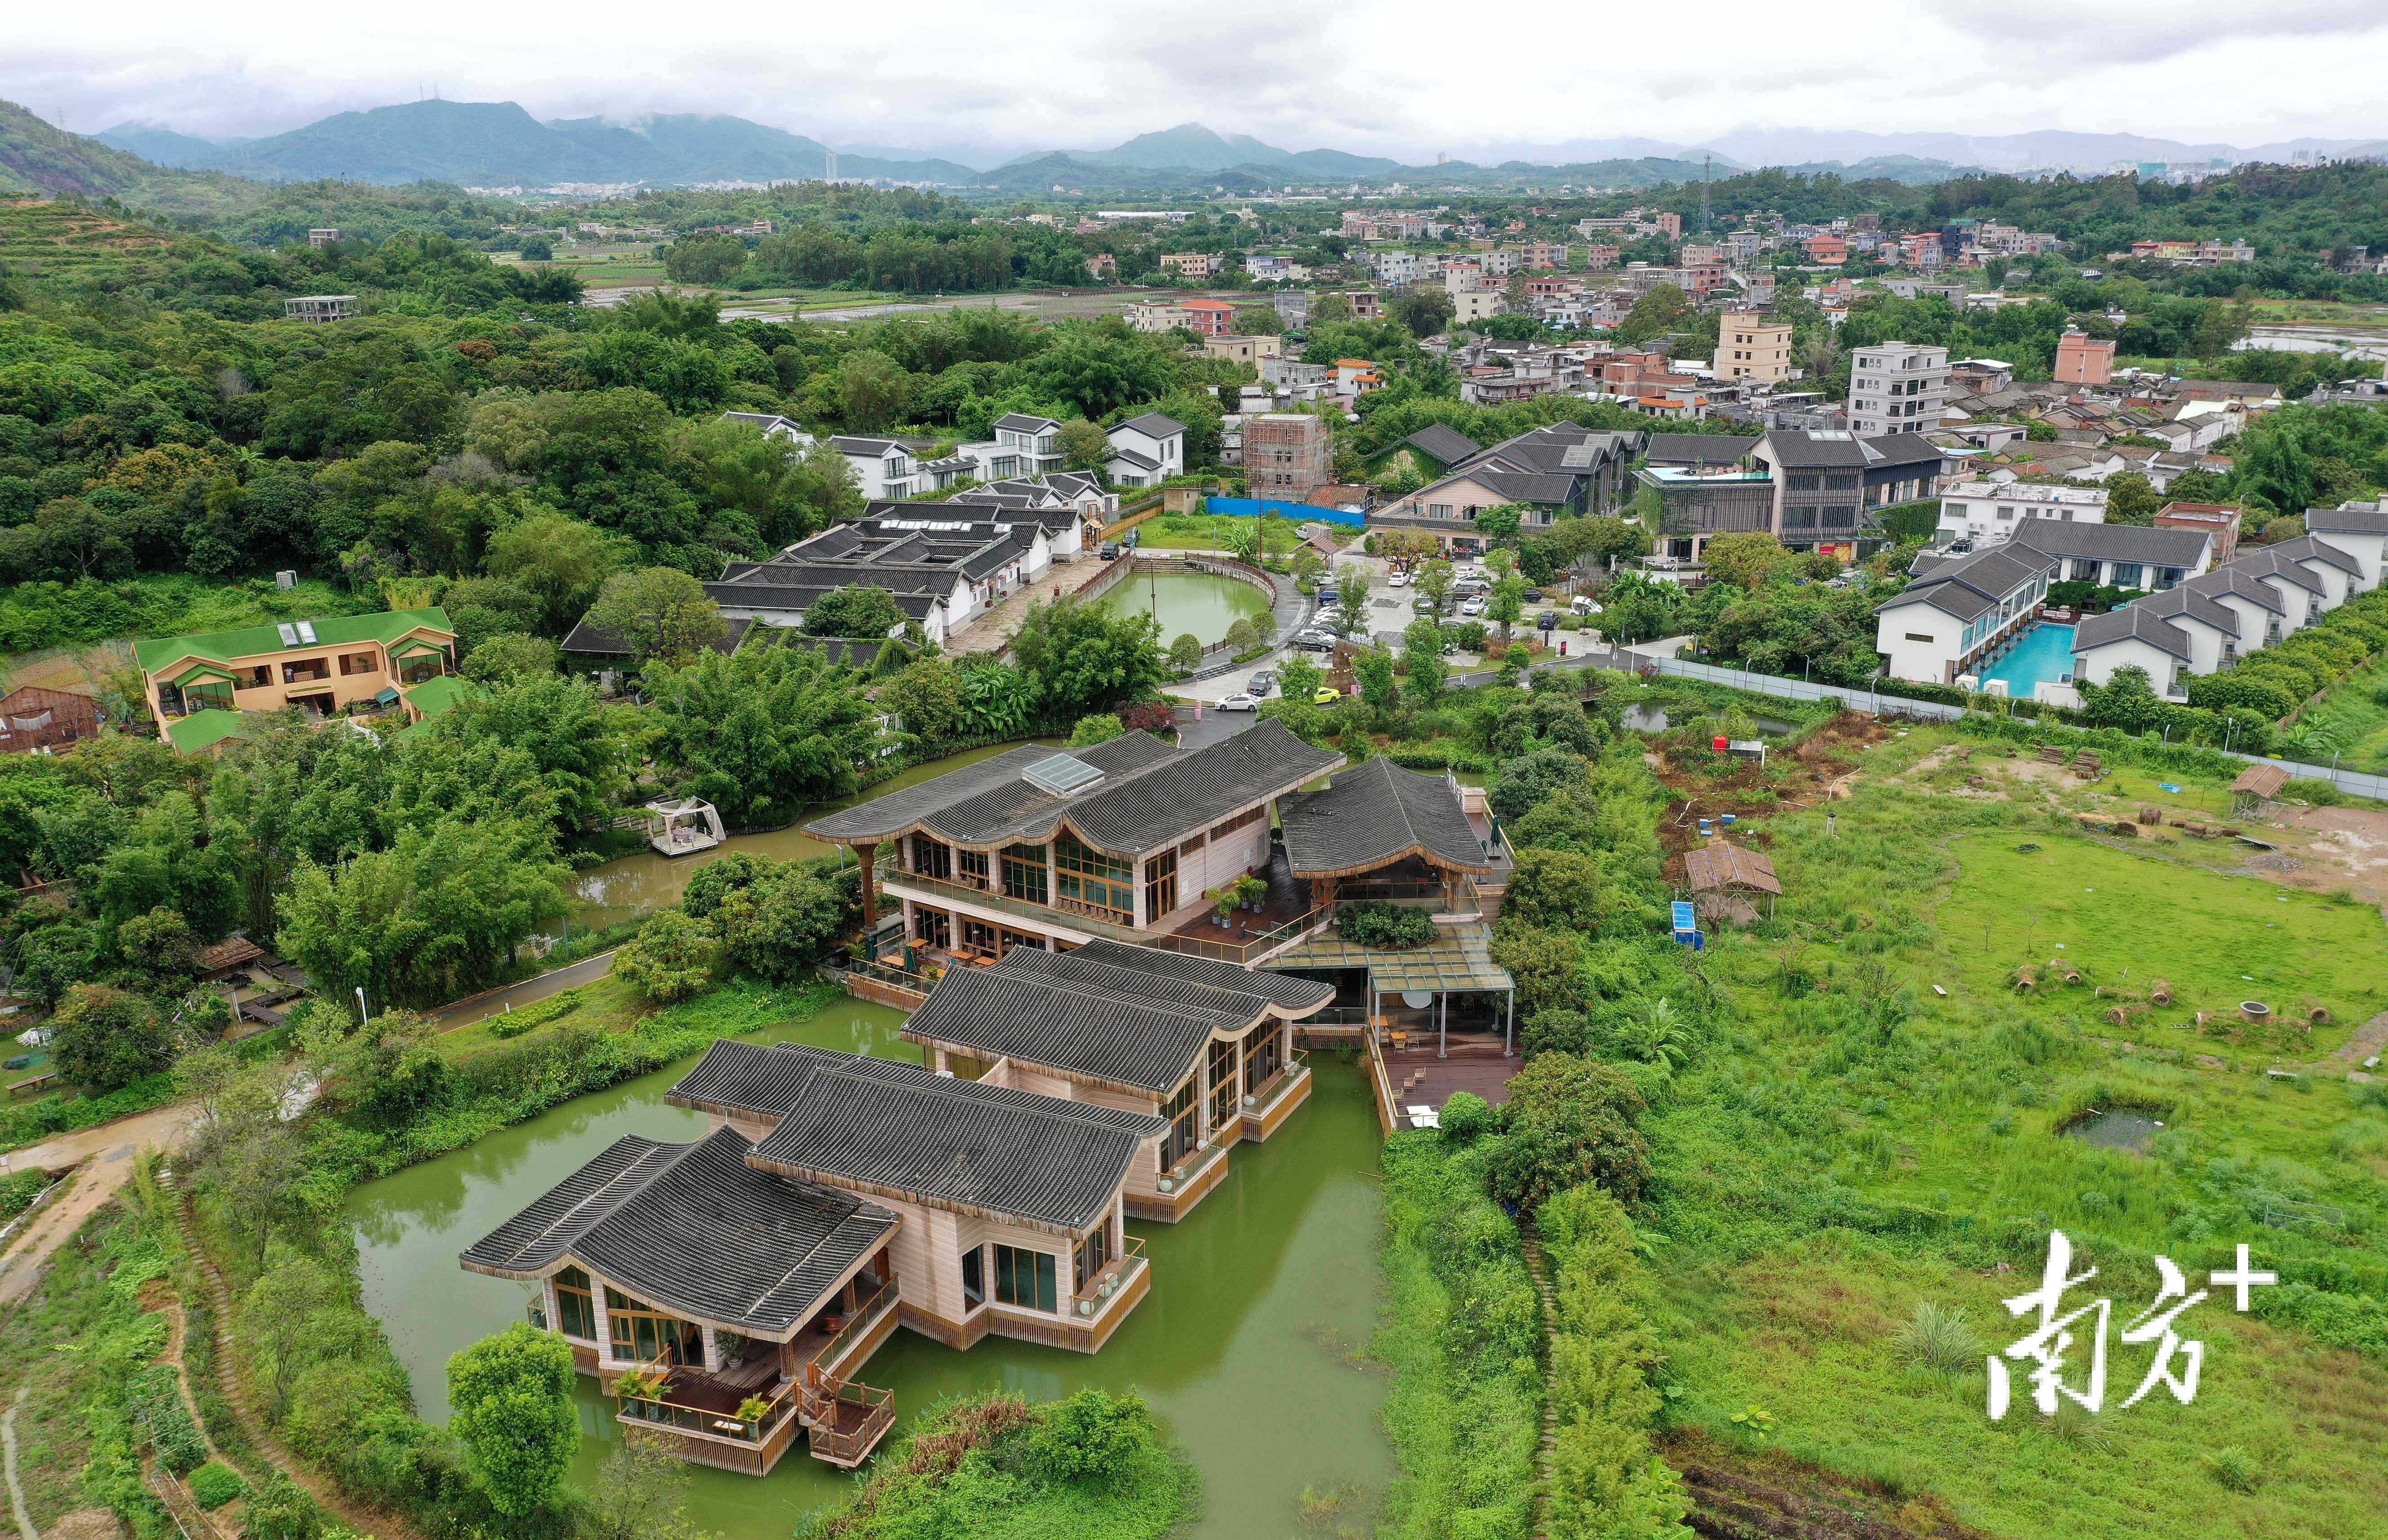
(1209, 532)
(1857, 1144)
(2353, 716)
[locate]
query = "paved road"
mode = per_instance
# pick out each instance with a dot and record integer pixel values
(555, 981)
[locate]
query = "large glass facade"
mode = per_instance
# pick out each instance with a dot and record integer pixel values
(1160, 885)
(576, 1304)
(1223, 1090)
(1178, 1143)
(1024, 873)
(641, 1334)
(1026, 1278)
(1090, 875)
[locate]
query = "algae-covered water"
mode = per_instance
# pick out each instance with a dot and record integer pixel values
(1250, 1344)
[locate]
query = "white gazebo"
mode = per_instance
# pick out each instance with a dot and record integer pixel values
(684, 827)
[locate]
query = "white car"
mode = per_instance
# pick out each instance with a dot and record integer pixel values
(1242, 700)
(1399, 580)
(1473, 607)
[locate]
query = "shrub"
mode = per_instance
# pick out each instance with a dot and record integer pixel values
(216, 1483)
(1187, 651)
(1465, 1116)
(1936, 1337)
(1519, 783)
(1556, 1033)
(1092, 1436)
(671, 958)
(1387, 926)
(1092, 730)
(281, 1509)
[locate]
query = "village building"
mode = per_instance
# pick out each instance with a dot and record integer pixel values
(1557, 471)
(35, 720)
(201, 686)
(945, 565)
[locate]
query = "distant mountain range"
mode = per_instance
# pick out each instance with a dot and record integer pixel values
(500, 144)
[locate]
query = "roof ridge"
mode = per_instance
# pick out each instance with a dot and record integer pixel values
(603, 1189)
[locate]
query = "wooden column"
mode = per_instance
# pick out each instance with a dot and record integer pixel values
(867, 853)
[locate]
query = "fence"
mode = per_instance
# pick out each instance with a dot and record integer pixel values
(1252, 508)
(2354, 782)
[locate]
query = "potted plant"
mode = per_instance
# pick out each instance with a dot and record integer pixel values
(752, 1411)
(1255, 890)
(644, 1388)
(1224, 899)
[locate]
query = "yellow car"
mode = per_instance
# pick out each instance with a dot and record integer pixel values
(1323, 695)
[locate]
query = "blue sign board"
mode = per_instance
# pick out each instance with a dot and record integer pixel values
(1300, 512)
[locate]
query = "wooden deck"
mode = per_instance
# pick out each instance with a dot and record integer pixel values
(1416, 1077)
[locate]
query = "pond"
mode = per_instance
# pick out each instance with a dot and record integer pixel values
(2119, 1129)
(1201, 603)
(1645, 718)
(636, 886)
(1250, 1344)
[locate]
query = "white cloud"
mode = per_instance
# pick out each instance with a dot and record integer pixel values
(1395, 77)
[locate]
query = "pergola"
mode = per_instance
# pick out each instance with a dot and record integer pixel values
(1458, 960)
(685, 827)
(1719, 874)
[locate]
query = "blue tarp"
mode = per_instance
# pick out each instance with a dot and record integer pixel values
(1252, 508)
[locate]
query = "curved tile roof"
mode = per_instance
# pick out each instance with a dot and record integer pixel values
(885, 816)
(1378, 814)
(694, 1230)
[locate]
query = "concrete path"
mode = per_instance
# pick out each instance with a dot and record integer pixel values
(473, 1009)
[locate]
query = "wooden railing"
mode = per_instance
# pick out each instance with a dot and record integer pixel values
(859, 1324)
(1118, 1269)
(712, 1422)
(822, 1397)
(1112, 925)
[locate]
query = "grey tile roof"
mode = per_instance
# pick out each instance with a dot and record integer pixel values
(1802, 448)
(1893, 450)
(2370, 520)
(2266, 562)
(2305, 548)
(695, 1229)
(1545, 489)
(1153, 424)
(591, 641)
(901, 810)
(874, 449)
(1137, 458)
(2239, 582)
(2159, 547)
(1378, 814)
(2185, 603)
(1108, 1017)
(901, 1130)
(1287, 993)
(1020, 422)
(1447, 445)
(1146, 801)
(1973, 583)
(2131, 622)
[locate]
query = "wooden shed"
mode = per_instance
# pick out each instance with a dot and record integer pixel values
(2256, 785)
(35, 720)
(1721, 876)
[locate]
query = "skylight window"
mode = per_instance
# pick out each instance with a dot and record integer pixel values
(307, 632)
(289, 635)
(1060, 774)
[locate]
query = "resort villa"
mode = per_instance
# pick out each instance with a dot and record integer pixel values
(1095, 1041)
(201, 686)
(1976, 618)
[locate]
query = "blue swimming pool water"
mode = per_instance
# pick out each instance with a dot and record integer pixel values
(2043, 656)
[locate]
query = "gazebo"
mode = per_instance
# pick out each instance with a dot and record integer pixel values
(684, 827)
(1720, 878)
(2256, 785)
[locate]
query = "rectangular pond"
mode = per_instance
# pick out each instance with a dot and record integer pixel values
(2043, 656)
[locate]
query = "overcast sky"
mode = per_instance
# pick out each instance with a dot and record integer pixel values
(1391, 77)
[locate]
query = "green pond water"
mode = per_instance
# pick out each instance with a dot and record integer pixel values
(1249, 1342)
(1196, 602)
(636, 886)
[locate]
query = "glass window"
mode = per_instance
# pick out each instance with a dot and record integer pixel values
(972, 864)
(974, 1276)
(1091, 1257)
(1179, 1142)
(932, 857)
(1094, 877)
(641, 1334)
(1160, 886)
(576, 1304)
(1024, 873)
(1224, 1089)
(2126, 575)
(1026, 1279)
(1263, 1052)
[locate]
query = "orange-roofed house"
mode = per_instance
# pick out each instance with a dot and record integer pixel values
(1210, 317)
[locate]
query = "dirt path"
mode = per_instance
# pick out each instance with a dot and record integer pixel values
(1546, 1451)
(104, 1158)
(9, 1449)
(2369, 1040)
(270, 1450)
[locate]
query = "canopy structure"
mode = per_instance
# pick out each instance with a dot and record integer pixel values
(2256, 785)
(1720, 874)
(1458, 961)
(685, 827)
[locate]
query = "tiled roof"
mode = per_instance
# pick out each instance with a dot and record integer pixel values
(250, 642)
(588, 640)
(1376, 814)
(1109, 1017)
(1447, 445)
(2264, 562)
(1695, 449)
(1019, 422)
(1141, 461)
(2131, 622)
(1153, 424)
(949, 1143)
(2370, 520)
(898, 811)
(2159, 548)
(695, 1229)
(2185, 603)
(2305, 548)
(206, 729)
(2239, 582)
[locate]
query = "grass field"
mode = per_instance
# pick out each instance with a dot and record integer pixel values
(1857, 1144)
(2352, 718)
(1209, 532)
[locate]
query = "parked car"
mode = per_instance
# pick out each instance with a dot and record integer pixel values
(1533, 596)
(1399, 580)
(1261, 684)
(1110, 551)
(1315, 641)
(1547, 621)
(1473, 607)
(1240, 701)
(1324, 694)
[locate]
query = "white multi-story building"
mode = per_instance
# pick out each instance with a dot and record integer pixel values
(1988, 511)
(1897, 387)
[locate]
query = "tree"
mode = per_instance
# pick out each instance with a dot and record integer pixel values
(775, 927)
(1433, 584)
(1379, 686)
(926, 696)
(857, 611)
(512, 1395)
(706, 260)
(868, 391)
(1656, 312)
(1422, 656)
(1352, 600)
(1508, 602)
(1424, 310)
(1185, 652)
(1083, 444)
(560, 559)
(768, 728)
(2131, 499)
(1092, 730)
(158, 950)
(640, 1494)
(1519, 783)
(104, 1037)
(661, 613)
(1559, 891)
(1259, 321)
(1504, 522)
(509, 657)
(1331, 309)
(1082, 658)
(1568, 1120)
(1747, 559)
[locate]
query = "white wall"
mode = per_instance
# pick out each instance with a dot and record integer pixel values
(2367, 550)
(2097, 666)
(1925, 662)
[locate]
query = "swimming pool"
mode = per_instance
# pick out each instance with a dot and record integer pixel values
(2043, 656)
